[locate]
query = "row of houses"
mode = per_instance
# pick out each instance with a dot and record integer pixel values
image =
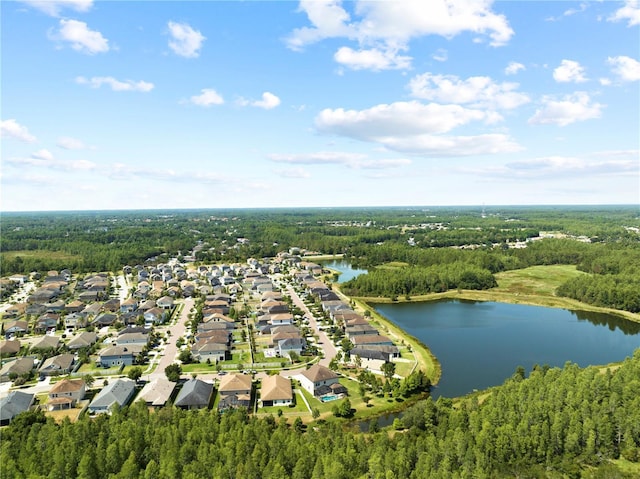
(372, 348)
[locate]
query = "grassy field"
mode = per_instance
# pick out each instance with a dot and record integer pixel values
(38, 253)
(536, 280)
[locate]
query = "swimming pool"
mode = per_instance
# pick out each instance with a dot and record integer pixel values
(329, 397)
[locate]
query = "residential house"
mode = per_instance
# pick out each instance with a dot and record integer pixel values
(13, 404)
(74, 321)
(154, 316)
(320, 380)
(276, 391)
(17, 367)
(105, 319)
(209, 349)
(17, 327)
(75, 306)
(117, 355)
(360, 329)
(117, 394)
(89, 296)
(286, 346)
(54, 306)
(83, 340)
(165, 302)
(57, 365)
(195, 394)
(46, 322)
(370, 340)
(92, 310)
(9, 347)
(235, 391)
(15, 311)
(65, 394)
(147, 305)
(281, 318)
(112, 305)
(157, 392)
(374, 356)
(140, 338)
(46, 342)
(129, 305)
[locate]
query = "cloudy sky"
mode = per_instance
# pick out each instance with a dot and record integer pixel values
(211, 104)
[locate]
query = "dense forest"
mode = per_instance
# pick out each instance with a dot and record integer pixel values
(568, 422)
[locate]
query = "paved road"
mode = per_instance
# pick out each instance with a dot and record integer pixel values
(170, 350)
(325, 343)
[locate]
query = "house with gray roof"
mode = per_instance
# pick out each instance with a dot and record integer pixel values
(117, 394)
(195, 394)
(13, 404)
(117, 355)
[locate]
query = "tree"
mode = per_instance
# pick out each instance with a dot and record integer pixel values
(185, 356)
(388, 369)
(315, 413)
(135, 373)
(346, 346)
(173, 372)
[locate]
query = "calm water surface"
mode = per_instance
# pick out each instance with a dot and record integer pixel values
(347, 271)
(480, 344)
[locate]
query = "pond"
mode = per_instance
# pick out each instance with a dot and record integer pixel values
(347, 271)
(480, 344)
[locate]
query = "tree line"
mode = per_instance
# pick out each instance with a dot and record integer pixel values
(567, 422)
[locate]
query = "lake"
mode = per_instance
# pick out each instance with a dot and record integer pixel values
(480, 344)
(347, 271)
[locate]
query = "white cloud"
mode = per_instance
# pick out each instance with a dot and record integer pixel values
(569, 71)
(42, 155)
(69, 143)
(44, 159)
(268, 101)
(448, 146)
(513, 68)
(207, 97)
(605, 81)
(351, 160)
(12, 129)
(477, 91)
(185, 41)
(564, 167)
(121, 171)
(328, 18)
(82, 38)
(382, 29)
(54, 7)
(116, 85)
(441, 55)
(372, 59)
(396, 119)
(630, 11)
(626, 68)
(413, 127)
(571, 108)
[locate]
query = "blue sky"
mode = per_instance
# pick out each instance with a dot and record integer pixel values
(211, 104)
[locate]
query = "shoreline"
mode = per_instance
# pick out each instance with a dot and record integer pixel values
(504, 297)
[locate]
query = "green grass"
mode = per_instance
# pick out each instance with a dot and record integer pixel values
(38, 253)
(537, 280)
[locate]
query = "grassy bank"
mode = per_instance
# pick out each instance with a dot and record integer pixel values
(423, 357)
